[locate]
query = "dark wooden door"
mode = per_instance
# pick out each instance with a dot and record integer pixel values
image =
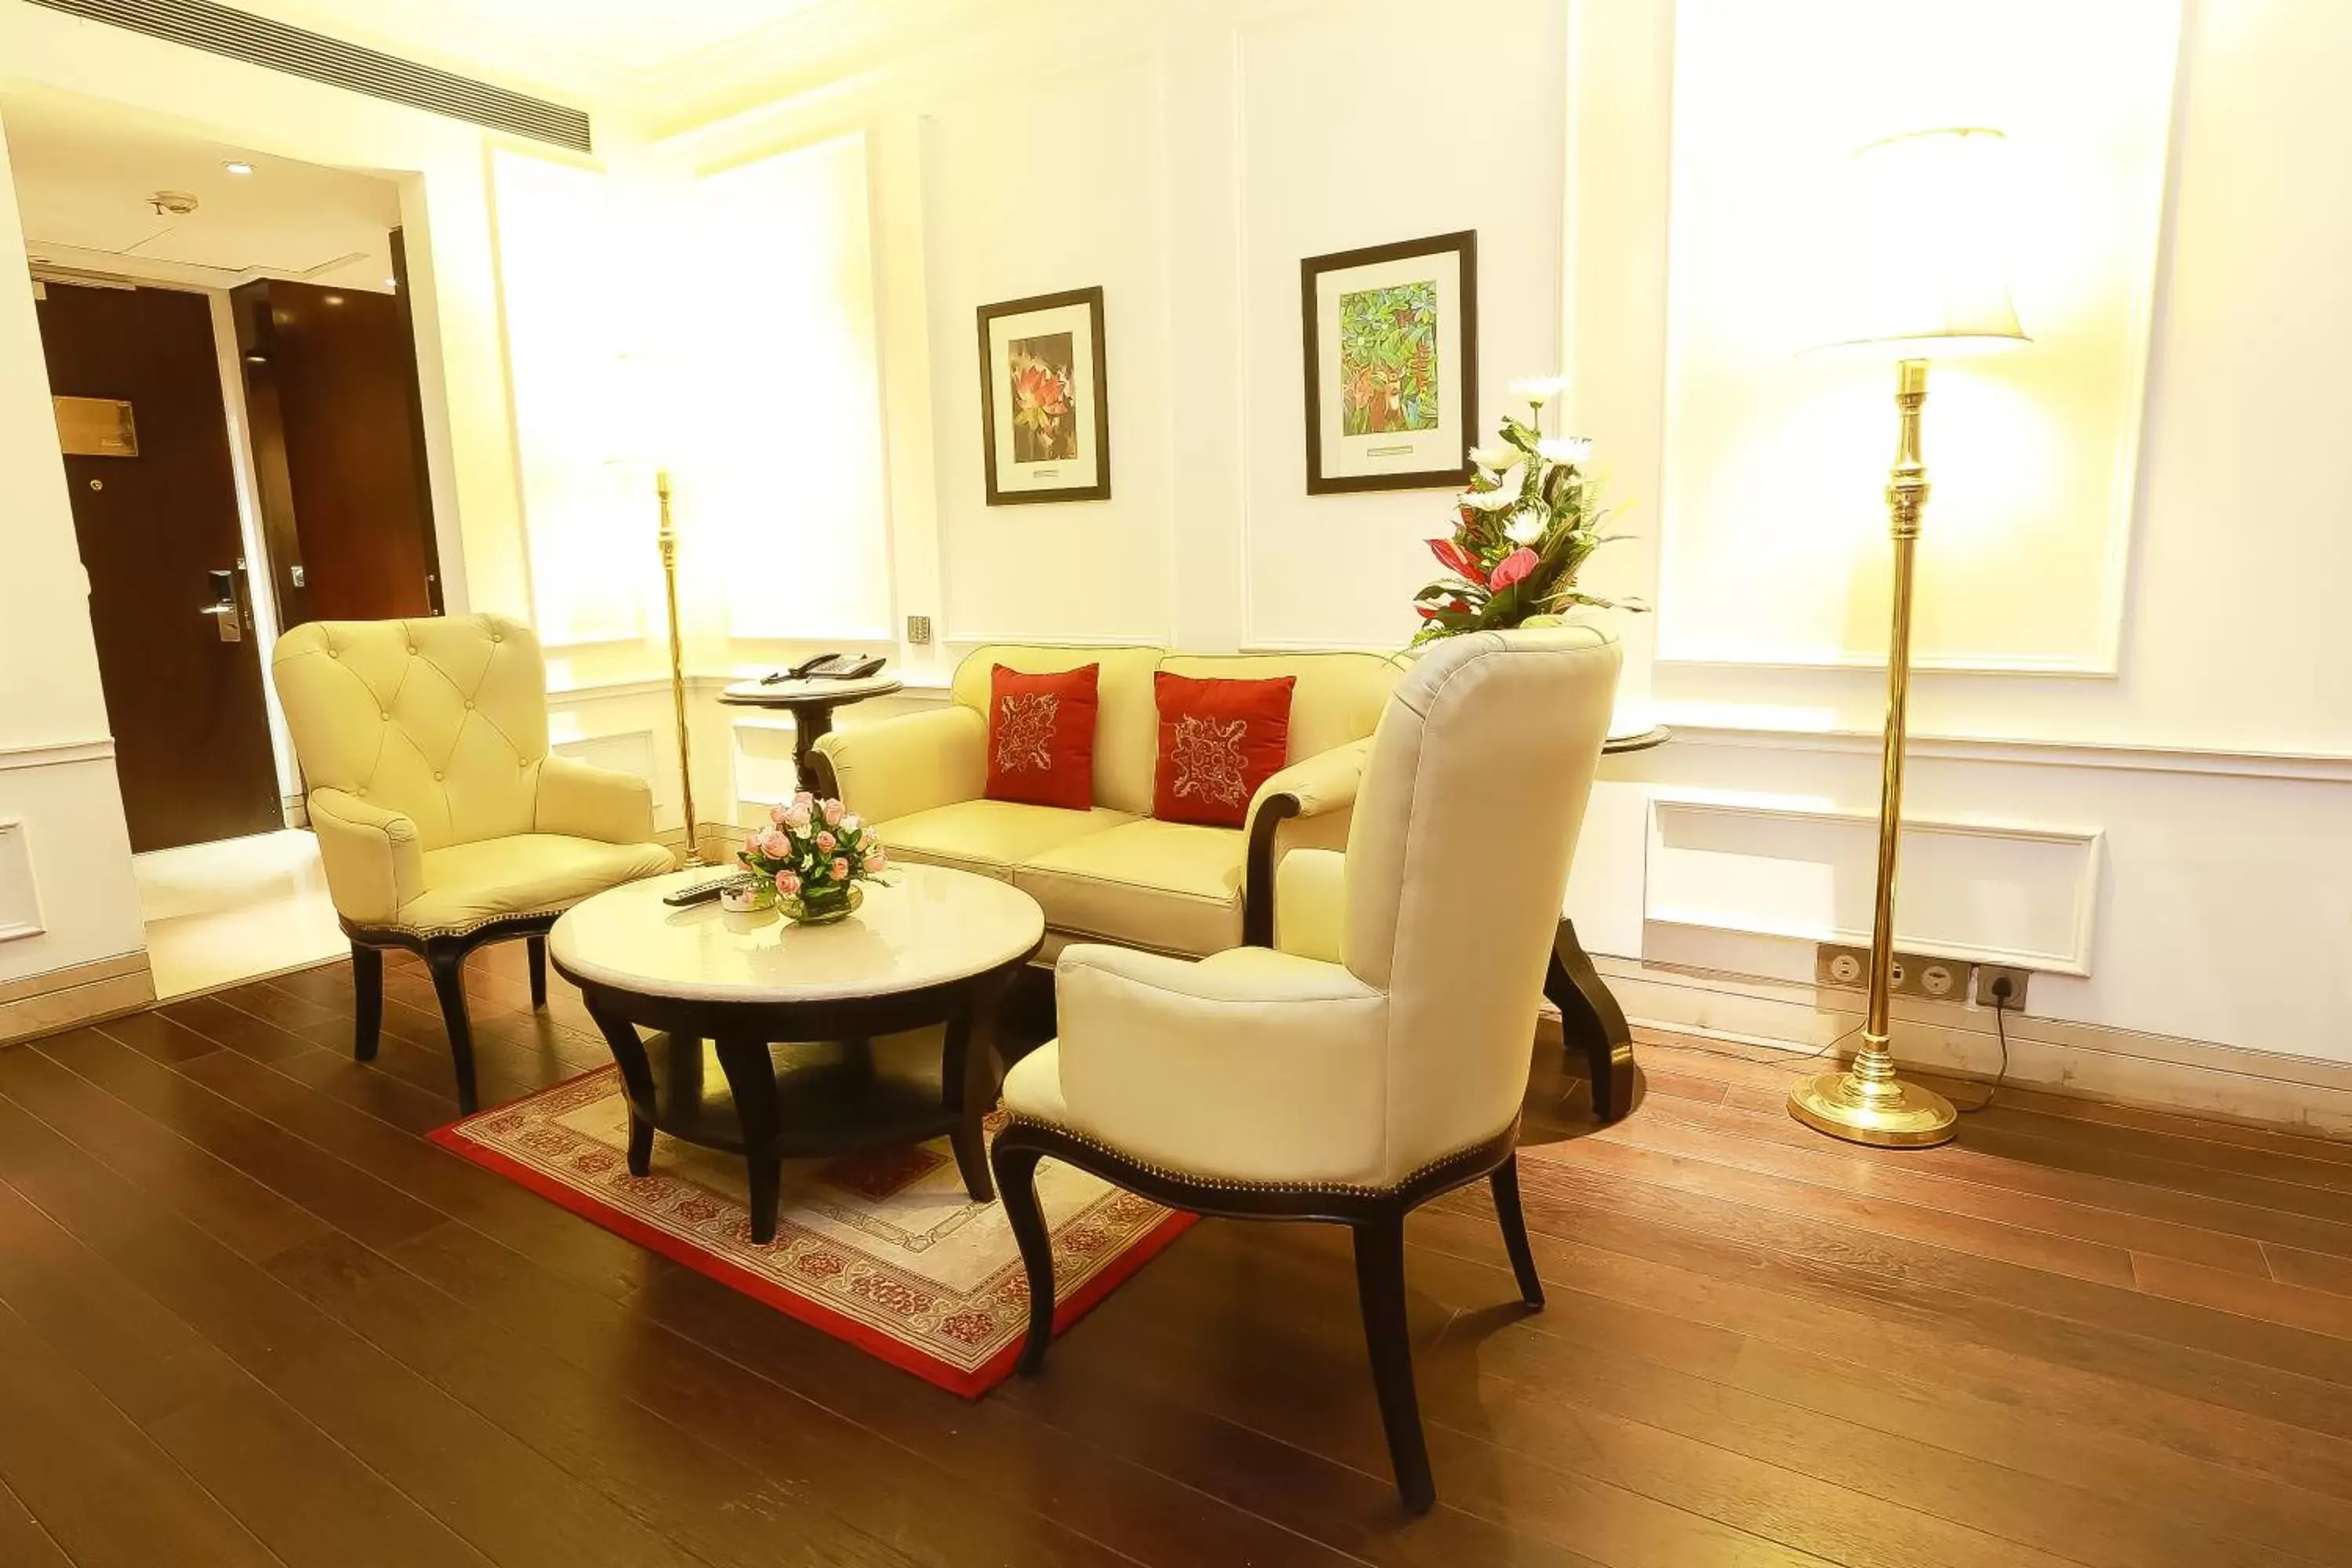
(330, 390)
(159, 537)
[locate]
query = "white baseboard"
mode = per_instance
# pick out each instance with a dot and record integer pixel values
(66, 998)
(2090, 1061)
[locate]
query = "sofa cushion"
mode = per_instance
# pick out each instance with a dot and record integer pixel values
(1219, 740)
(1127, 723)
(1173, 886)
(991, 837)
(1339, 697)
(1041, 737)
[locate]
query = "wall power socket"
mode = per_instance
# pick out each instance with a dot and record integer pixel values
(1918, 974)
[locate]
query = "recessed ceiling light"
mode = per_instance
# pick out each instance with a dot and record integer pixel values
(392, 283)
(237, 167)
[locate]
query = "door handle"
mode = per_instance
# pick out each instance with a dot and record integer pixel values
(227, 613)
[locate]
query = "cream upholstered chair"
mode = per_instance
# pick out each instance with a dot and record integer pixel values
(443, 821)
(1377, 1054)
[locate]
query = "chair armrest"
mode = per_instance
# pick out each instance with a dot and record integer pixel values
(894, 767)
(1310, 904)
(589, 802)
(1319, 785)
(1249, 1062)
(374, 858)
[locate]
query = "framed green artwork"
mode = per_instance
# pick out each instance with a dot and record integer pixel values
(1391, 359)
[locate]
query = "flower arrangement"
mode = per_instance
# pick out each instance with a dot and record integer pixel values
(815, 853)
(1527, 522)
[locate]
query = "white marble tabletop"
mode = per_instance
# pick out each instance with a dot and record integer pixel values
(927, 926)
(816, 689)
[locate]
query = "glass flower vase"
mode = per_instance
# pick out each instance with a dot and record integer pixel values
(821, 906)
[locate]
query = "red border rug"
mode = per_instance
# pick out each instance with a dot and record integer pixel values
(883, 1250)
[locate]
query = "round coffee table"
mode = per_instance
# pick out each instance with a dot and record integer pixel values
(790, 1012)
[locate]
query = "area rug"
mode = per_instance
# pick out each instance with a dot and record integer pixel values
(884, 1249)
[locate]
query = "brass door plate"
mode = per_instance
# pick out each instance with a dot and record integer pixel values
(96, 428)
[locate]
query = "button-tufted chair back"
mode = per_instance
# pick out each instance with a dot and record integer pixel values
(444, 719)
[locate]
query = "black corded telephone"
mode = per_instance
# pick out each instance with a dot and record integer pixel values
(803, 671)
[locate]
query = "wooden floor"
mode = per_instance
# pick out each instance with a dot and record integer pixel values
(247, 1315)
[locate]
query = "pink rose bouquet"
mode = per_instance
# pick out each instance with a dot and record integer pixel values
(815, 852)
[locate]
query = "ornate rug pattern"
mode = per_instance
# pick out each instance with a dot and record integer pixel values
(883, 1248)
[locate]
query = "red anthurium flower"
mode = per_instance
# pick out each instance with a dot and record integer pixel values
(1512, 568)
(1456, 560)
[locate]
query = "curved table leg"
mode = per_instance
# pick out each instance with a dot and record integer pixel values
(751, 1075)
(968, 1080)
(628, 1050)
(1591, 1021)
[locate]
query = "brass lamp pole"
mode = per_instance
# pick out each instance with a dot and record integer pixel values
(668, 539)
(1867, 1103)
(1938, 288)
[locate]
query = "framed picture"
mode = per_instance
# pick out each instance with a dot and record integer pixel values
(1392, 340)
(1044, 424)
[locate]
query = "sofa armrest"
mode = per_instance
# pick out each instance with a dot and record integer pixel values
(894, 767)
(1319, 785)
(375, 860)
(1310, 904)
(589, 802)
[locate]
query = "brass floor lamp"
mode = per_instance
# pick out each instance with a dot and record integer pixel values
(1943, 291)
(668, 541)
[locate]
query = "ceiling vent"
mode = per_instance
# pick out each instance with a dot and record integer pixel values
(256, 40)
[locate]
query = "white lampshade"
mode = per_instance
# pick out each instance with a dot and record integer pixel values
(640, 404)
(1928, 280)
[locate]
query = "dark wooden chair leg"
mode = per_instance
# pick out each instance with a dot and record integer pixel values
(446, 960)
(1017, 1184)
(537, 947)
(1379, 1288)
(1591, 1021)
(367, 986)
(751, 1075)
(1505, 1181)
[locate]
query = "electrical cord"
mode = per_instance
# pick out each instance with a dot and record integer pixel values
(1999, 992)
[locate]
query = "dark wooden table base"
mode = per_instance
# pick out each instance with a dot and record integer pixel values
(800, 1079)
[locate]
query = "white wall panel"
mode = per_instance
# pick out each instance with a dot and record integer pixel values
(1362, 124)
(1048, 180)
(1774, 526)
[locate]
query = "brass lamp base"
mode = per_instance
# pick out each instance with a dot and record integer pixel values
(1868, 1104)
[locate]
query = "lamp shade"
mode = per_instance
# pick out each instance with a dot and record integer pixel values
(1929, 278)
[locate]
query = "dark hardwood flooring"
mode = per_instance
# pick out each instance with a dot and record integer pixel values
(248, 1316)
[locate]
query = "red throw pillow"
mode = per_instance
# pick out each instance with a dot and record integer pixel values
(1041, 737)
(1219, 740)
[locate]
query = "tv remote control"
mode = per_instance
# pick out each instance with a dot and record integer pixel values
(700, 893)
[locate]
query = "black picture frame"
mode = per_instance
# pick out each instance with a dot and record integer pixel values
(1092, 299)
(1464, 244)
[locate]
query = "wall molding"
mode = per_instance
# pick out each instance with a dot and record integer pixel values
(82, 993)
(2128, 756)
(2045, 879)
(57, 754)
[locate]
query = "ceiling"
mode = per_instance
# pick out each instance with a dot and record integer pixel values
(84, 175)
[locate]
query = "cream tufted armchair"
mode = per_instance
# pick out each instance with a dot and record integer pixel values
(443, 821)
(1377, 1054)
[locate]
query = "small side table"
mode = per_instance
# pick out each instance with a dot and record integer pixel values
(811, 703)
(1589, 1019)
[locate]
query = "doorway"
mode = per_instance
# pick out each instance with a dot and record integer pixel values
(137, 376)
(229, 334)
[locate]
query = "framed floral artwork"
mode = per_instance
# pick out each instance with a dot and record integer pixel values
(1391, 359)
(1044, 406)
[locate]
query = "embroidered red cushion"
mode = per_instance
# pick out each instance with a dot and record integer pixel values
(1219, 740)
(1041, 737)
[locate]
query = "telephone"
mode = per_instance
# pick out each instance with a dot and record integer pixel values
(803, 671)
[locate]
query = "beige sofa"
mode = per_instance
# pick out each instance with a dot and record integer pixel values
(1114, 873)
